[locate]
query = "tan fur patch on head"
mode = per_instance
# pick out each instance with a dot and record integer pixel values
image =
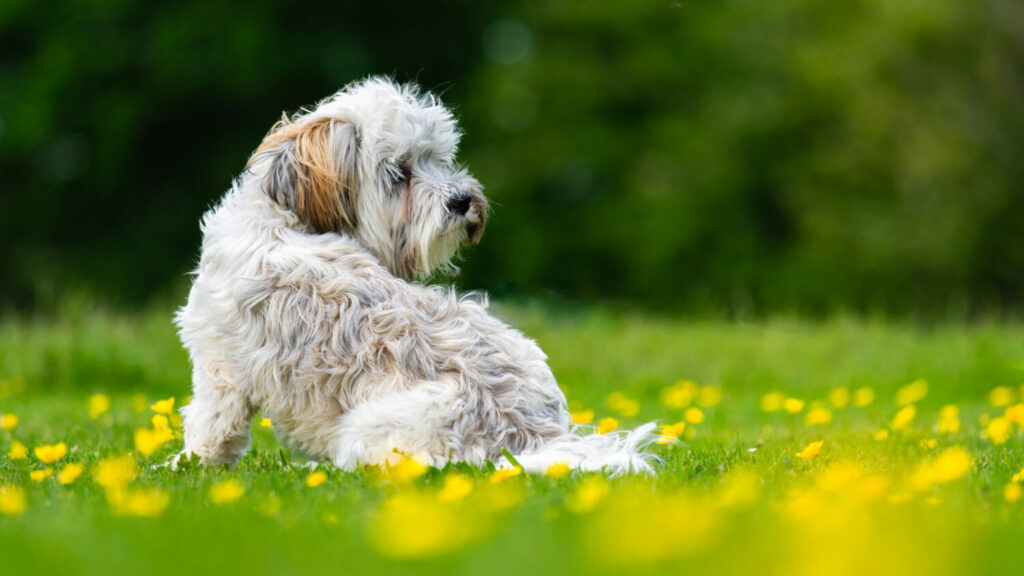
(322, 194)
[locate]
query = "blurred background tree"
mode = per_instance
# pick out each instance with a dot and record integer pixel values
(742, 155)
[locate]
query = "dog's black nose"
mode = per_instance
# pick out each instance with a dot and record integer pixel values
(459, 204)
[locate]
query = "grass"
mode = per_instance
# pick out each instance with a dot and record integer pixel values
(731, 497)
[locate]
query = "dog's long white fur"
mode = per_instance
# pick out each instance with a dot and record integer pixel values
(304, 305)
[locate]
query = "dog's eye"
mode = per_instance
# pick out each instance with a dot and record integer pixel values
(399, 174)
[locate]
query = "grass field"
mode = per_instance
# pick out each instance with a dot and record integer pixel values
(920, 429)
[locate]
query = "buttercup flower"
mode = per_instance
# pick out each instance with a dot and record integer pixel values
(226, 491)
(12, 501)
(114, 473)
(694, 415)
(912, 393)
(793, 405)
(1001, 396)
(588, 494)
(559, 470)
(503, 474)
(582, 417)
(160, 422)
(607, 425)
(50, 454)
(456, 487)
(98, 405)
(709, 396)
(163, 406)
(315, 479)
(818, 416)
(40, 475)
(811, 451)
(839, 397)
(265, 423)
(18, 451)
(8, 421)
(772, 402)
(680, 394)
(863, 397)
(140, 502)
(671, 432)
(70, 473)
(999, 430)
(903, 418)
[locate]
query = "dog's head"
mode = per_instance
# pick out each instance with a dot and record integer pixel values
(376, 161)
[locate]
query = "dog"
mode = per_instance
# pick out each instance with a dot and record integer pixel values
(305, 304)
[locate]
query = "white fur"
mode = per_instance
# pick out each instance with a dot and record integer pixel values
(330, 336)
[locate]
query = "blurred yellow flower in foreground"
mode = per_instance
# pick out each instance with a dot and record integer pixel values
(226, 491)
(315, 479)
(882, 434)
(811, 451)
(793, 405)
(160, 422)
(40, 475)
(139, 502)
(1012, 492)
(163, 406)
(12, 501)
(709, 396)
(903, 418)
(694, 415)
(582, 417)
(413, 525)
(18, 451)
(114, 473)
(503, 474)
(1015, 414)
(407, 469)
(98, 405)
(50, 454)
(624, 405)
(265, 423)
(8, 421)
(558, 470)
(70, 473)
(588, 494)
(607, 425)
(952, 464)
(818, 416)
(636, 527)
(456, 487)
(863, 397)
(912, 393)
(949, 420)
(772, 401)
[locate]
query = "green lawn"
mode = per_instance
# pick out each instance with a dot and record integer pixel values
(731, 497)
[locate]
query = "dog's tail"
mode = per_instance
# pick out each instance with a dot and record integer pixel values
(619, 452)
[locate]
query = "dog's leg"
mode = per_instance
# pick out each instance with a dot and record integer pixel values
(418, 422)
(218, 418)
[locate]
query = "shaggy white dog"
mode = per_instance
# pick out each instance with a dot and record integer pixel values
(304, 305)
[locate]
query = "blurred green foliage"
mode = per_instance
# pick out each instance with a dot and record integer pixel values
(750, 155)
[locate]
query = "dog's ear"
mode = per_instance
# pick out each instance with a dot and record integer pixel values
(313, 171)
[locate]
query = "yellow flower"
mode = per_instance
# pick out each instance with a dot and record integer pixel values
(811, 451)
(407, 469)
(793, 405)
(1001, 396)
(952, 464)
(999, 430)
(607, 425)
(503, 474)
(882, 434)
(1015, 414)
(839, 397)
(141, 503)
(315, 479)
(40, 475)
(559, 470)
(226, 491)
(582, 417)
(588, 494)
(949, 421)
(12, 501)
(50, 454)
(671, 432)
(680, 394)
(456, 487)
(148, 441)
(709, 396)
(160, 422)
(70, 473)
(265, 423)
(1012, 492)
(18, 451)
(818, 416)
(8, 421)
(904, 417)
(623, 404)
(693, 415)
(98, 405)
(912, 393)
(115, 473)
(163, 406)
(411, 524)
(772, 401)
(1019, 476)
(929, 443)
(863, 397)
